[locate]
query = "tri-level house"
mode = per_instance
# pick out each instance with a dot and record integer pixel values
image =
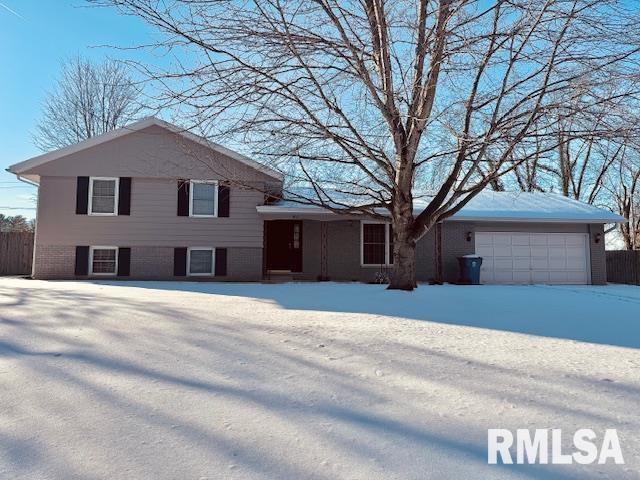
(151, 201)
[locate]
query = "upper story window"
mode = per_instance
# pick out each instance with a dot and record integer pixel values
(103, 196)
(376, 243)
(202, 198)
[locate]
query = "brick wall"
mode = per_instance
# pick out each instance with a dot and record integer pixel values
(152, 262)
(454, 245)
(244, 264)
(343, 262)
(147, 263)
(54, 261)
(598, 256)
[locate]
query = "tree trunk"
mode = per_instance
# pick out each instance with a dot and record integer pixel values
(403, 276)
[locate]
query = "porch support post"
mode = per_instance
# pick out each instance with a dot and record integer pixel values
(438, 253)
(324, 251)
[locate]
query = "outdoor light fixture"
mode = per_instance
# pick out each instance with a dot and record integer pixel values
(597, 237)
(469, 234)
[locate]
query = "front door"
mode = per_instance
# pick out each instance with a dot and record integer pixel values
(284, 245)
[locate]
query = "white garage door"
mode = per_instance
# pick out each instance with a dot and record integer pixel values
(510, 257)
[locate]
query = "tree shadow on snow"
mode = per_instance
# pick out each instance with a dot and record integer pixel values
(608, 315)
(208, 350)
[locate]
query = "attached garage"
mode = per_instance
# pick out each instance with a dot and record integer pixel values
(523, 238)
(525, 258)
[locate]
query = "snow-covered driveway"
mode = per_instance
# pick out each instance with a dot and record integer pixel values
(160, 380)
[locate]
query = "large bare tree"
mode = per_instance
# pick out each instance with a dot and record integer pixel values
(624, 188)
(362, 100)
(89, 99)
(591, 147)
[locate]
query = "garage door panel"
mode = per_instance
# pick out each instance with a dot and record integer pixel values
(522, 263)
(483, 239)
(539, 239)
(540, 276)
(575, 241)
(557, 264)
(503, 276)
(518, 257)
(539, 263)
(557, 252)
(577, 276)
(484, 251)
(501, 239)
(558, 277)
(506, 252)
(521, 251)
(539, 252)
(576, 263)
(521, 276)
(574, 253)
(556, 240)
(503, 263)
(522, 239)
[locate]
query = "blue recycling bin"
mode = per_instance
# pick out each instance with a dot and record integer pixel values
(470, 269)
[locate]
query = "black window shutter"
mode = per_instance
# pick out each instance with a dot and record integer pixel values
(82, 261)
(180, 261)
(124, 196)
(221, 262)
(183, 198)
(224, 194)
(124, 261)
(82, 195)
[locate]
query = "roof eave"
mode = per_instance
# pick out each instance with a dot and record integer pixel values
(314, 210)
(21, 167)
(467, 218)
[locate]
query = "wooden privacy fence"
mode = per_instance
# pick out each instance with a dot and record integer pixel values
(623, 266)
(16, 253)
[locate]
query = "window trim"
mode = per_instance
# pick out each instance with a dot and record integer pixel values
(213, 262)
(115, 200)
(387, 243)
(102, 274)
(215, 198)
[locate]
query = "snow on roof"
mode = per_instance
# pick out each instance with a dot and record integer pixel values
(548, 207)
(486, 206)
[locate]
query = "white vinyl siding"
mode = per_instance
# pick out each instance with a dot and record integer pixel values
(526, 258)
(203, 196)
(103, 196)
(103, 260)
(200, 261)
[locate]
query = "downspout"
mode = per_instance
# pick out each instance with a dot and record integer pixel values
(35, 229)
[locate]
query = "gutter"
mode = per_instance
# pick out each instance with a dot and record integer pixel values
(21, 178)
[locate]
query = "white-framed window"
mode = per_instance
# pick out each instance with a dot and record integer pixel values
(201, 261)
(376, 243)
(103, 195)
(203, 198)
(103, 260)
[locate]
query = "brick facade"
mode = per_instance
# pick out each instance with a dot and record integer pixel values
(343, 254)
(598, 255)
(147, 263)
(54, 262)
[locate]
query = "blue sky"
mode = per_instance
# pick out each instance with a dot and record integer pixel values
(35, 37)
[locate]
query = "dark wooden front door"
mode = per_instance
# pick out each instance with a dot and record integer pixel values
(284, 245)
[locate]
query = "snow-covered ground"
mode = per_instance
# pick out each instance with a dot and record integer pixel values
(161, 380)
